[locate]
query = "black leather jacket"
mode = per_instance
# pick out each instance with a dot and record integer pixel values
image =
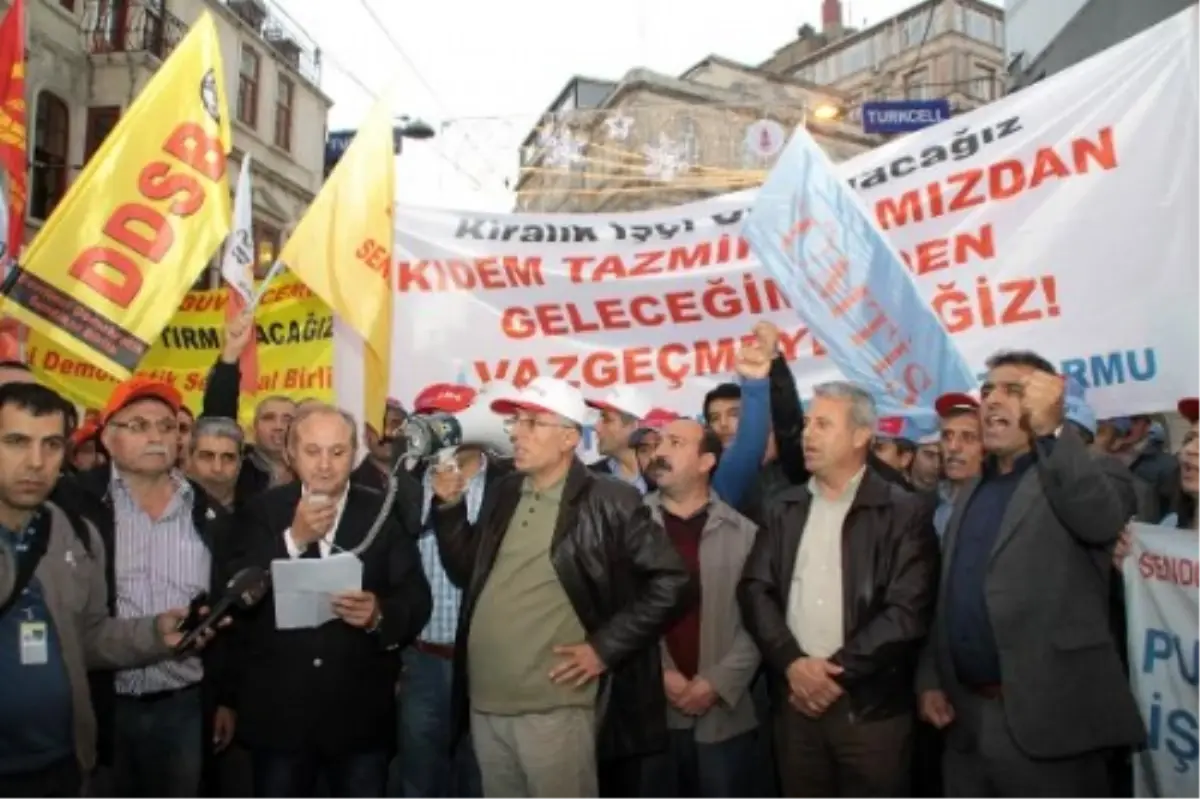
(889, 585)
(623, 577)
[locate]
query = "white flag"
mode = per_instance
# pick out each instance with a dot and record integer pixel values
(237, 267)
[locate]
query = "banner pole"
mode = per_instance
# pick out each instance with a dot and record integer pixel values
(275, 271)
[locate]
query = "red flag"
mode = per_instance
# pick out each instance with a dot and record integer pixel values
(12, 121)
(248, 364)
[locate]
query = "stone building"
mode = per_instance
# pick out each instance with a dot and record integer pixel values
(88, 59)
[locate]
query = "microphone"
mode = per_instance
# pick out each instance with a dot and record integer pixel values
(243, 591)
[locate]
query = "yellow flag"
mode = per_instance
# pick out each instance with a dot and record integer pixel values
(342, 248)
(107, 271)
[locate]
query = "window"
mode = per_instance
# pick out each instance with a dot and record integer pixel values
(100, 122)
(154, 39)
(266, 246)
(69, 5)
(983, 83)
(52, 129)
(247, 97)
(916, 84)
(284, 96)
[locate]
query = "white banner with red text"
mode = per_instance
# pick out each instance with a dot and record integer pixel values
(1060, 219)
(1162, 575)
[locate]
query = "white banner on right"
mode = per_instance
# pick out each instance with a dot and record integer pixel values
(1162, 574)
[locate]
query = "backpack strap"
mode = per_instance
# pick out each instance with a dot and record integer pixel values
(28, 561)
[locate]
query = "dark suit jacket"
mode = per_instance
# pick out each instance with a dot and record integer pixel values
(329, 689)
(1048, 591)
(87, 494)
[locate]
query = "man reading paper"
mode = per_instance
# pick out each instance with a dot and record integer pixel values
(320, 701)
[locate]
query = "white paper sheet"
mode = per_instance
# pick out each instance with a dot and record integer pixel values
(304, 588)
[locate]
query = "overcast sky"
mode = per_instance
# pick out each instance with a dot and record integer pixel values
(485, 70)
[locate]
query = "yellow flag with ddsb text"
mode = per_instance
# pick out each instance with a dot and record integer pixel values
(107, 271)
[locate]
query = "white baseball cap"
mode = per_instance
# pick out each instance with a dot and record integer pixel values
(623, 399)
(544, 395)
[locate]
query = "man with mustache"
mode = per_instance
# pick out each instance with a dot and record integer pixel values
(161, 537)
(709, 660)
(962, 451)
(1021, 668)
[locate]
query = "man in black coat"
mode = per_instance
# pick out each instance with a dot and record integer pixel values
(319, 702)
(838, 592)
(568, 586)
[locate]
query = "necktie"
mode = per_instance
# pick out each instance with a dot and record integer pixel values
(313, 551)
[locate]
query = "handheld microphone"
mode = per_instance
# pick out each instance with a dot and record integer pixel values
(243, 591)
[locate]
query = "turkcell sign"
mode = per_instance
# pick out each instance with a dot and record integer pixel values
(903, 116)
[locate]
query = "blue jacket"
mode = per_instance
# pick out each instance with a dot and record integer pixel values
(742, 462)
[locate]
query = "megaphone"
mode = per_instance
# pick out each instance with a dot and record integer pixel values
(432, 434)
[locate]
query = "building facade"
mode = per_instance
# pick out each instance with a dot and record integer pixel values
(952, 49)
(88, 60)
(652, 140)
(1045, 38)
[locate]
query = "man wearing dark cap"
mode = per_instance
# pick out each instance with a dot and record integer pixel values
(160, 539)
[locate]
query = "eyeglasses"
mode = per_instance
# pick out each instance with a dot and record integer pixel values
(527, 425)
(142, 426)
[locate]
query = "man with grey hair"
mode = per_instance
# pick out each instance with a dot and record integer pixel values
(215, 458)
(838, 592)
(320, 702)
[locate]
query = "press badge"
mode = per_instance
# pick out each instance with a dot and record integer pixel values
(34, 648)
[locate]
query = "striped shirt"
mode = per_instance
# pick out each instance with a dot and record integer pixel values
(160, 564)
(447, 599)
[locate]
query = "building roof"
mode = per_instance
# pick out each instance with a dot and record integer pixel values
(764, 74)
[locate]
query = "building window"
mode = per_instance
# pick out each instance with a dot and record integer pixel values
(916, 84)
(983, 84)
(266, 248)
(51, 134)
(100, 122)
(284, 97)
(69, 5)
(247, 98)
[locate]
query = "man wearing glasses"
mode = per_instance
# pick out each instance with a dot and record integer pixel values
(158, 533)
(568, 585)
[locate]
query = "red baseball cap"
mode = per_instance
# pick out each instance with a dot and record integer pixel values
(890, 427)
(955, 400)
(86, 432)
(140, 388)
(1189, 408)
(444, 398)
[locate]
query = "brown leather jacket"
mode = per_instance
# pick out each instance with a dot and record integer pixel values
(623, 577)
(889, 584)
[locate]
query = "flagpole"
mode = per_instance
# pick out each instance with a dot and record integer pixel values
(275, 271)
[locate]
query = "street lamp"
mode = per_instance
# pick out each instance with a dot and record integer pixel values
(826, 111)
(410, 128)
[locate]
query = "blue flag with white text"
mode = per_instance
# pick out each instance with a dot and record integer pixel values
(842, 276)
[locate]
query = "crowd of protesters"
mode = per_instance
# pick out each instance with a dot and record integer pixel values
(768, 597)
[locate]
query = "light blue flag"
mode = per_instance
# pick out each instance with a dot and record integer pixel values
(816, 239)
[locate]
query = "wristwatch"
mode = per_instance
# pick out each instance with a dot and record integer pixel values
(373, 627)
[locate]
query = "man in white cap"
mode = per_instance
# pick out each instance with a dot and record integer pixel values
(620, 415)
(568, 586)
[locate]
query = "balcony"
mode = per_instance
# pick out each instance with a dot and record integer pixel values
(131, 27)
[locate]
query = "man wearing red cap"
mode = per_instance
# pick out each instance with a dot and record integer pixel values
(160, 533)
(962, 451)
(429, 762)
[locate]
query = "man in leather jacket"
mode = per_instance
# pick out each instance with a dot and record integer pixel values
(838, 592)
(568, 586)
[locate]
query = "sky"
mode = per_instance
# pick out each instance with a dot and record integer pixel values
(482, 72)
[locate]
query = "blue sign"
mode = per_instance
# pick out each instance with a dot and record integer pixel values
(816, 239)
(337, 142)
(903, 116)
